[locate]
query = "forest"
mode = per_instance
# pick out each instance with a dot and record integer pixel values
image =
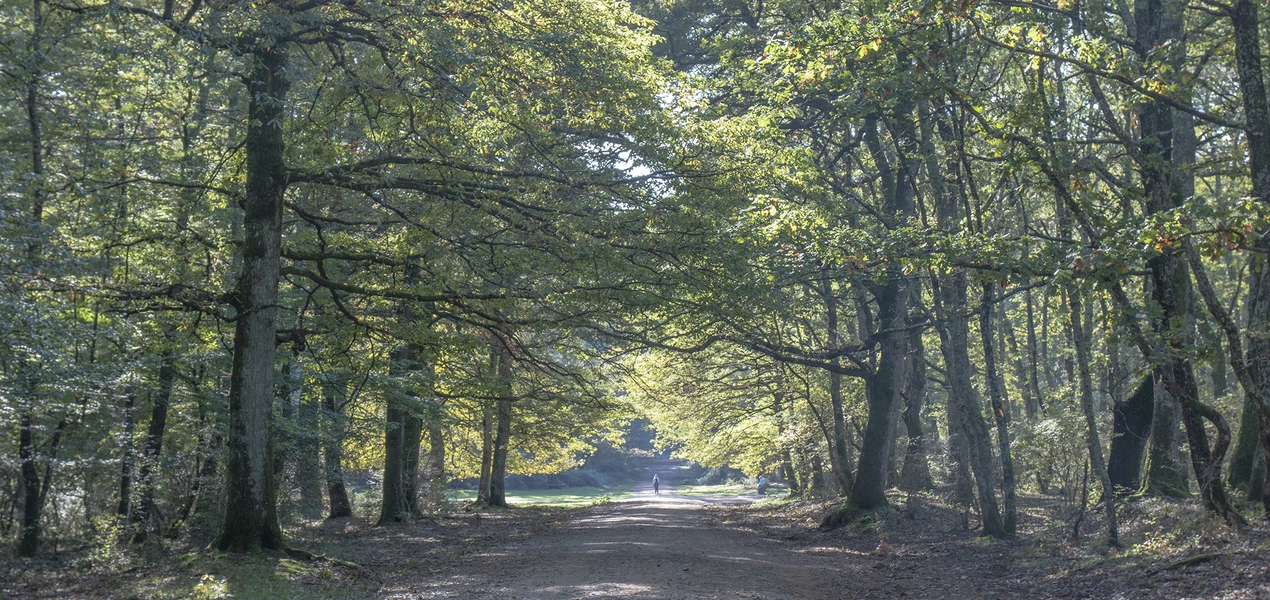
(268, 263)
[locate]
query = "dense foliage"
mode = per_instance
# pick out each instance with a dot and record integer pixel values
(310, 258)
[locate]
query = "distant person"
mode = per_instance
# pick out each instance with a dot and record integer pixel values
(762, 485)
(656, 485)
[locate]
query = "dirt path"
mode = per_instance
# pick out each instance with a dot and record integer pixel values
(671, 546)
(647, 546)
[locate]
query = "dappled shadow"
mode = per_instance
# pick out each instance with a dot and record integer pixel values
(644, 546)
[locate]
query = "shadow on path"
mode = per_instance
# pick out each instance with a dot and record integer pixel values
(646, 546)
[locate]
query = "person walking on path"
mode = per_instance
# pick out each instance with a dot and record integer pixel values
(656, 485)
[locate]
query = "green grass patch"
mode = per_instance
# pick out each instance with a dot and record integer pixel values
(723, 490)
(566, 497)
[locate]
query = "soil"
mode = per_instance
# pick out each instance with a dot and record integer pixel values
(672, 546)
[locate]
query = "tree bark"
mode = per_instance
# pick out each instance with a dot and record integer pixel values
(952, 310)
(1165, 477)
(394, 506)
(884, 388)
(146, 509)
(1081, 338)
(502, 437)
(487, 448)
(1159, 25)
(1247, 445)
(411, 444)
(1130, 429)
(839, 457)
(287, 403)
(251, 516)
(1253, 367)
(29, 537)
(436, 456)
(1034, 381)
(126, 459)
(1000, 411)
(333, 453)
(786, 457)
(915, 474)
(1031, 407)
(308, 468)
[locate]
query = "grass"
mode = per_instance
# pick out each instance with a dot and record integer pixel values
(725, 490)
(563, 497)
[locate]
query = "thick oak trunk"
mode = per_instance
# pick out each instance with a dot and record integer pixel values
(393, 505)
(1255, 362)
(1130, 429)
(251, 518)
(1165, 475)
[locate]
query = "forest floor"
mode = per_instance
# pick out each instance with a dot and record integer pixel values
(681, 546)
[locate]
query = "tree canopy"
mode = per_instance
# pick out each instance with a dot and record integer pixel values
(253, 248)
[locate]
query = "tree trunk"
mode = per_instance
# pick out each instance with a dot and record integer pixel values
(333, 453)
(502, 438)
(884, 392)
(786, 457)
(287, 403)
(1034, 381)
(1255, 363)
(953, 327)
(436, 457)
(251, 516)
(1130, 429)
(839, 457)
(1000, 410)
(206, 452)
(29, 537)
(487, 450)
(1160, 37)
(393, 507)
(1259, 483)
(146, 510)
(884, 388)
(1247, 444)
(209, 481)
(1031, 406)
(1164, 475)
(308, 468)
(124, 508)
(411, 443)
(915, 474)
(1081, 336)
